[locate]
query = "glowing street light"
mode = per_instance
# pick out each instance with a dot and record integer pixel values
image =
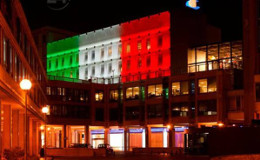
(220, 124)
(45, 110)
(25, 85)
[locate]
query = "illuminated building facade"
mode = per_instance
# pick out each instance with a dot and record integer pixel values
(19, 59)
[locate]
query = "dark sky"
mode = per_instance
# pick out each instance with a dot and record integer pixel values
(82, 16)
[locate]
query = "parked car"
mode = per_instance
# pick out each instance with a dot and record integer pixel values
(79, 145)
(109, 149)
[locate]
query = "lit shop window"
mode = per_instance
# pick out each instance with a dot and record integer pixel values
(93, 55)
(119, 49)
(113, 95)
(148, 61)
(102, 53)
(48, 90)
(99, 96)
(110, 51)
(160, 59)
(139, 45)
(155, 90)
(180, 88)
(180, 110)
(132, 93)
(148, 44)
(86, 56)
(128, 48)
(59, 91)
(71, 74)
(160, 41)
(207, 85)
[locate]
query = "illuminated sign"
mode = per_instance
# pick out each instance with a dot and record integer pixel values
(192, 4)
(98, 131)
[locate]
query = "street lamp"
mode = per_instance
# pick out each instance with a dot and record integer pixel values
(45, 110)
(25, 85)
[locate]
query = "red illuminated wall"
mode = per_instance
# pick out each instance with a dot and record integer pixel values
(143, 30)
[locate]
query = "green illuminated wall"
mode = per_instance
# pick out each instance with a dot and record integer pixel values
(62, 58)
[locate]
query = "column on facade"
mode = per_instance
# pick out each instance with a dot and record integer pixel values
(147, 137)
(65, 136)
(106, 135)
(34, 138)
(30, 136)
(6, 126)
(15, 128)
(21, 130)
(126, 141)
(87, 138)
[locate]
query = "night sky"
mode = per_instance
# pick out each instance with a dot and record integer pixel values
(82, 16)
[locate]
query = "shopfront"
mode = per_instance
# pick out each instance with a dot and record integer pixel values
(97, 137)
(76, 135)
(116, 139)
(54, 136)
(136, 138)
(179, 135)
(159, 137)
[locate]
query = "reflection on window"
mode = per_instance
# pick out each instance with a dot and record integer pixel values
(180, 110)
(132, 93)
(119, 49)
(207, 108)
(148, 44)
(139, 62)
(216, 56)
(148, 61)
(86, 56)
(207, 85)
(93, 55)
(139, 45)
(113, 95)
(102, 53)
(48, 90)
(86, 73)
(128, 48)
(155, 90)
(132, 113)
(110, 51)
(160, 59)
(155, 111)
(180, 88)
(102, 69)
(160, 41)
(128, 65)
(99, 96)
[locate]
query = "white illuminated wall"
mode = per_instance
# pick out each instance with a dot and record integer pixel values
(91, 45)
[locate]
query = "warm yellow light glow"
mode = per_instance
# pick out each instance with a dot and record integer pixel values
(45, 110)
(169, 126)
(220, 124)
(41, 127)
(25, 84)
(48, 129)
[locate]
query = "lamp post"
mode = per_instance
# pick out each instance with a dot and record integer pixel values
(45, 110)
(25, 85)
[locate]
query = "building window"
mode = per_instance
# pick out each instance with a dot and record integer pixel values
(148, 61)
(113, 114)
(71, 60)
(139, 45)
(155, 90)
(132, 113)
(160, 41)
(119, 49)
(62, 61)
(86, 73)
(180, 88)
(128, 65)
(155, 111)
(207, 108)
(139, 62)
(86, 56)
(109, 68)
(71, 74)
(180, 110)
(119, 67)
(148, 44)
(132, 93)
(207, 85)
(102, 70)
(102, 53)
(110, 51)
(59, 91)
(113, 95)
(57, 63)
(49, 64)
(93, 55)
(48, 90)
(93, 72)
(99, 116)
(99, 96)
(128, 48)
(160, 59)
